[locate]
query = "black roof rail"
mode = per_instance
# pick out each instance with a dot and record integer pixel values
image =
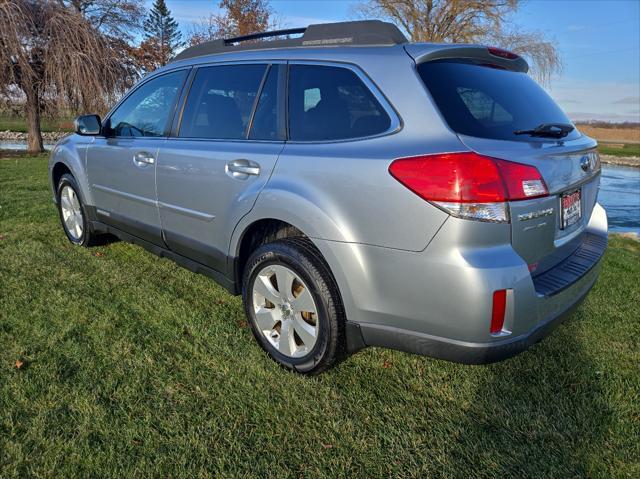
(358, 33)
(256, 36)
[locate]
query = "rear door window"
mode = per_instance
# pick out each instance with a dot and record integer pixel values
(332, 103)
(220, 102)
(487, 102)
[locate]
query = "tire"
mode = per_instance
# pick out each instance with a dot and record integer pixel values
(76, 226)
(299, 352)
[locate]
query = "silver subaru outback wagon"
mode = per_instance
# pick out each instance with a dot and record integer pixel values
(357, 190)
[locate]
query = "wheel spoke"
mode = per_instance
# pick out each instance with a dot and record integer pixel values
(286, 344)
(304, 302)
(263, 287)
(285, 279)
(70, 222)
(66, 202)
(74, 201)
(305, 331)
(266, 319)
(78, 228)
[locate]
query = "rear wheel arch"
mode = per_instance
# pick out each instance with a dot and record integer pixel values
(259, 232)
(250, 235)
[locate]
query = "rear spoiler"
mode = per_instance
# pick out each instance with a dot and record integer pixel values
(426, 52)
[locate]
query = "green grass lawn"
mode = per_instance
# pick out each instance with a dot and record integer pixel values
(626, 150)
(132, 366)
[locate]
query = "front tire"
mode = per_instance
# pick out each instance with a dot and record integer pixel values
(72, 211)
(293, 306)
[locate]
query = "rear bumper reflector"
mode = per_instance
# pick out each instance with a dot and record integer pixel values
(498, 312)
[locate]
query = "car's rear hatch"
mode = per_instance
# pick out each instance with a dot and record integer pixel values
(546, 230)
(488, 100)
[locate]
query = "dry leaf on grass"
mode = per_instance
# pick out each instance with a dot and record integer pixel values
(99, 254)
(19, 364)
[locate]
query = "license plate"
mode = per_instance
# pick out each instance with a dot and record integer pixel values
(570, 208)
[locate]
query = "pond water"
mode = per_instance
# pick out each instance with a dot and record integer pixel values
(20, 145)
(620, 196)
(619, 192)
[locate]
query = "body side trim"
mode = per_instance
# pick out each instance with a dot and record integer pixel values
(129, 196)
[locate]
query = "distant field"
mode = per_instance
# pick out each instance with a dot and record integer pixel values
(13, 123)
(618, 150)
(613, 134)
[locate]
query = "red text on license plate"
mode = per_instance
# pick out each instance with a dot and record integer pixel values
(571, 210)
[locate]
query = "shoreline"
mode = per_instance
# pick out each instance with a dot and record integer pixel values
(627, 234)
(632, 161)
(47, 136)
(54, 136)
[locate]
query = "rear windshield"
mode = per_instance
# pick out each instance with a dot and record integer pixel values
(488, 102)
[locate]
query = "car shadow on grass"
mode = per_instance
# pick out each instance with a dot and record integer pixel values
(541, 414)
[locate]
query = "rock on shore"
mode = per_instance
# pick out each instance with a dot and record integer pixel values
(47, 137)
(621, 160)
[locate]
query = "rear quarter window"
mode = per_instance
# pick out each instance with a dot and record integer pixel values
(488, 102)
(332, 103)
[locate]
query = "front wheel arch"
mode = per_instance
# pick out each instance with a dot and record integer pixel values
(57, 171)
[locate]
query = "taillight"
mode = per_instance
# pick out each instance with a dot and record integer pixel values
(499, 52)
(469, 185)
(498, 311)
(523, 182)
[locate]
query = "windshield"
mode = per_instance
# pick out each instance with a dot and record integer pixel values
(489, 102)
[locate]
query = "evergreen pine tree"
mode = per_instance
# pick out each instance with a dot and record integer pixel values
(161, 29)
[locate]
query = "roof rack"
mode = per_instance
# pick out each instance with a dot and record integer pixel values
(359, 33)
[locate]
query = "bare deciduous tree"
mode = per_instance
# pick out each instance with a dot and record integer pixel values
(236, 18)
(467, 21)
(50, 51)
(115, 18)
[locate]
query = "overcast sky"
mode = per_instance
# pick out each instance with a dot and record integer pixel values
(599, 42)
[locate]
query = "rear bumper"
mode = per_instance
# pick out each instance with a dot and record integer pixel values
(438, 302)
(472, 352)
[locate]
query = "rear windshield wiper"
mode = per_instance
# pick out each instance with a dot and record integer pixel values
(550, 130)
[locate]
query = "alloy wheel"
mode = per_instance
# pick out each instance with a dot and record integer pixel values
(71, 212)
(285, 311)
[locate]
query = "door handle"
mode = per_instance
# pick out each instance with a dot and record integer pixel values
(242, 169)
(142, 158)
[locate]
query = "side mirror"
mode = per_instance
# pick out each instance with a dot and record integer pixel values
(87, 125)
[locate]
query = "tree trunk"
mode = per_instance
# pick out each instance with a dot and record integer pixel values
(34, 137)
